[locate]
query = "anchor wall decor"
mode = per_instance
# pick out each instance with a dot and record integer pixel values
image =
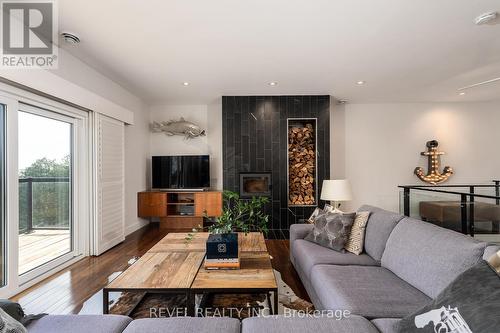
(434, 175)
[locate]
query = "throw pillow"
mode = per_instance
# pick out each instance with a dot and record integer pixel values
(9, 324)
(329, 208)
(13, 309)
(356, 240)
(331, 230)
(314, 215)
(494, 262)
(469, 304)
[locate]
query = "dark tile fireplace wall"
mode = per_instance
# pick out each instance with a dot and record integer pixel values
(255, 140)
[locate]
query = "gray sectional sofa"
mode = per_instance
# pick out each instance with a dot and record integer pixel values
(406, 263)
(119, 324)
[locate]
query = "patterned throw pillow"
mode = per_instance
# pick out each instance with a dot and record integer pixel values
(315, 214)
(469, 304)
(356, 240)
(9, 324)
(331, 230)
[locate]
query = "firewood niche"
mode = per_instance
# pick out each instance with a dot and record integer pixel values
(302, 181)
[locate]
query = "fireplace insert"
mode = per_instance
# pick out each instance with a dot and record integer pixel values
(255, 184)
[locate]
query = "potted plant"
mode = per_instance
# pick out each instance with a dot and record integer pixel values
(244, 215)
(238, 215)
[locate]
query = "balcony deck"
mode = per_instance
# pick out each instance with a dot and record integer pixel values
(40, 246)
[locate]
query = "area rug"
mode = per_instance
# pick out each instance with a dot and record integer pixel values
(140, 305)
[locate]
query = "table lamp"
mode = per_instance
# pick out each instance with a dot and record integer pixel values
(336, 190)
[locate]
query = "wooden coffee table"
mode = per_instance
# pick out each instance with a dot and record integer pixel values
(174, 266)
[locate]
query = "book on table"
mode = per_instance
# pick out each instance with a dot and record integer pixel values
(222, 252)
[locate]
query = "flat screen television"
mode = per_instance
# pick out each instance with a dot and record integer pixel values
(181, 172)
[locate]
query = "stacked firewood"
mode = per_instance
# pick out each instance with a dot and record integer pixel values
(301, 159)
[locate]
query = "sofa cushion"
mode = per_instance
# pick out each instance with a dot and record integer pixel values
(184, 325)
(470, 303)
(429, 257)
(368, 291)
(378, 229)
(306, 282)
(299, 231)
(386, 325)
(79, 324)
(308, 254)
(280, 324)
(490, 251)
(332, 230)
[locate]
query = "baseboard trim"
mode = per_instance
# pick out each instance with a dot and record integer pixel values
(136, 226)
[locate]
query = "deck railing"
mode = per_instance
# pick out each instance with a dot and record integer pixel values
(468, 197)
(44, 203)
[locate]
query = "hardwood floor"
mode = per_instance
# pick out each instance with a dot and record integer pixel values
(40, 246)
(279, 249)
(66, 291)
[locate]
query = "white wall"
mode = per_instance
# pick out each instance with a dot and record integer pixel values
(162, 144)
(337, 139)
(383, 144)
(76, 82)
(136, 135)
(137, 155)
(78, 72)
(208, 117)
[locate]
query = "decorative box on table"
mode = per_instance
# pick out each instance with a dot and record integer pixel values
(222, 251)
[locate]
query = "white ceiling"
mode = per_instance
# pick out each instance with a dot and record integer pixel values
(405, 50)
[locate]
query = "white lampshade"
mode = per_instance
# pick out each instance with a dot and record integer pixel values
(336, 190)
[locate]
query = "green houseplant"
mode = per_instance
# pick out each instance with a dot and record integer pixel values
(239, 215)
(244, 215)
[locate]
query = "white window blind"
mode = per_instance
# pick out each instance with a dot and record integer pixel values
(110, 196)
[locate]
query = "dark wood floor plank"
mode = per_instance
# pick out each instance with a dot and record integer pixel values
(66, 291)
(280, 253)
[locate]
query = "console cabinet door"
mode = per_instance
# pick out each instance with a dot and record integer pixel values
(209, 203)
(152, 204)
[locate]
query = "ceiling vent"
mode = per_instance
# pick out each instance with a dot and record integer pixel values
(70, 38)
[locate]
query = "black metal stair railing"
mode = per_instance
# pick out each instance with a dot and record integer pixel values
(467, 195)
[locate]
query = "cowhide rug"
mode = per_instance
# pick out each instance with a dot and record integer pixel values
(141, 305)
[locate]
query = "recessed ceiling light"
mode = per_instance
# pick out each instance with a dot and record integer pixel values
(462, 93)
(185, 83)
(70, 38)
(360, 83)
(273, 83)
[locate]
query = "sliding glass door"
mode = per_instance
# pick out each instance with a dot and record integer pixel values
(45, 188)
(45, 162)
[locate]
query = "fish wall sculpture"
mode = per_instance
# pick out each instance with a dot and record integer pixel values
(178, 127)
